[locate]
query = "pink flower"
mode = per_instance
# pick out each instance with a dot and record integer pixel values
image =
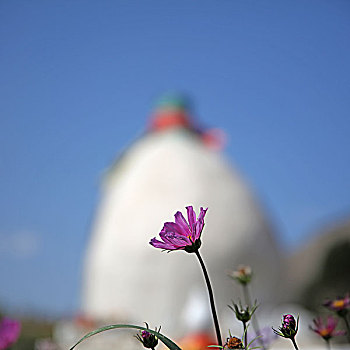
(326, 330)
(289, 327)
(182, 234)
(9, 332)
(289, 321)
(339, 305)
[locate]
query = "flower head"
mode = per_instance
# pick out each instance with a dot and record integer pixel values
(339, 305)
(326, 330)
(289, 327)
(147, 339)
(182, 234)
(243, 274)
(243, 314)
(233, 343)
(9, 332)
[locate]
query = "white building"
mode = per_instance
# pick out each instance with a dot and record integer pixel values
(174, 165)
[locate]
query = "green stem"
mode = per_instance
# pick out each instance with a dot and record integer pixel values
(245, 335)
(255, 323)
(211, 298)
(295, 344)
(347, 327)
(328, 344)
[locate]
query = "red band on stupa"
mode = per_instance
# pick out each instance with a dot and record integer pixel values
(163, 120)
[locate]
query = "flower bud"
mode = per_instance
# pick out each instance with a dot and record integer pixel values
(243, 274)
(148, 340)
(233, 343)
(243, 314)
(289, 327)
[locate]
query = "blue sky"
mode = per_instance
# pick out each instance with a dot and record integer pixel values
(78, 82)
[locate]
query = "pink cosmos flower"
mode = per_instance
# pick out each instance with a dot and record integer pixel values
(182, 234)
(339, 305)
(326, 330)
(9, 332)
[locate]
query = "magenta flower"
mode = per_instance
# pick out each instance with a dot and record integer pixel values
(182, 234)
(326, 330)
(289, 327)
(289, 321)
(339, 305)
(9, 332)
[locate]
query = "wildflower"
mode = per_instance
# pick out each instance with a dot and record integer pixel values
(289, 327)
(233, 343)
(182, 234)
(9, 332)
(147, 339)
(186, 235)
(339, 305)
(243, 315)
(243, 274)
(326, 330)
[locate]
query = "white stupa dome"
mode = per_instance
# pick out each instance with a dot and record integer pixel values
(169, 168)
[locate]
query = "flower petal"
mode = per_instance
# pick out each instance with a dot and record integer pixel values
(202, 214)
(181, 221)
(172, 227)
(200, 223)
(163, 245)
(175, 239)
(191, 217)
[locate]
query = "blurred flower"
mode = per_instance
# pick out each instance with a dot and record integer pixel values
(147, 339)
(45, 344)
(243, 314)
(9, 332)
(339, 305)
(182, 234)
(326, 330)
(196, 341)
(266, 337)
(243, 274)
(233, 343)
(289, 327)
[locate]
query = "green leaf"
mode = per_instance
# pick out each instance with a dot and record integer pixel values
(166, 341)
(257, 337)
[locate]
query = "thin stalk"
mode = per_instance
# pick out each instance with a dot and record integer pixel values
(294, 343)
(211, 298)
(254, 318)
(347, 327)
(328, 344)
(245, 335)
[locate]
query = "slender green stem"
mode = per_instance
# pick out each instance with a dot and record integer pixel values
(211, 299)
(328, 344)
(295, 344)
(347, 327)
(255, 323)
(245, 335)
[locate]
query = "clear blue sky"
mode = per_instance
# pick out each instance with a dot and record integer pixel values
(78, 80)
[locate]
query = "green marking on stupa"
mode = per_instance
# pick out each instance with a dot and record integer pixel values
(174, 102)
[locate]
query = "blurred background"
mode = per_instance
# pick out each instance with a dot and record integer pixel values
(79, 82)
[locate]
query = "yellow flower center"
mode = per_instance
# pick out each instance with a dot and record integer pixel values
(324, 332)
(338, 303)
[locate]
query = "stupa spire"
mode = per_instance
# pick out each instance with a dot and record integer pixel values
(171, 111)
